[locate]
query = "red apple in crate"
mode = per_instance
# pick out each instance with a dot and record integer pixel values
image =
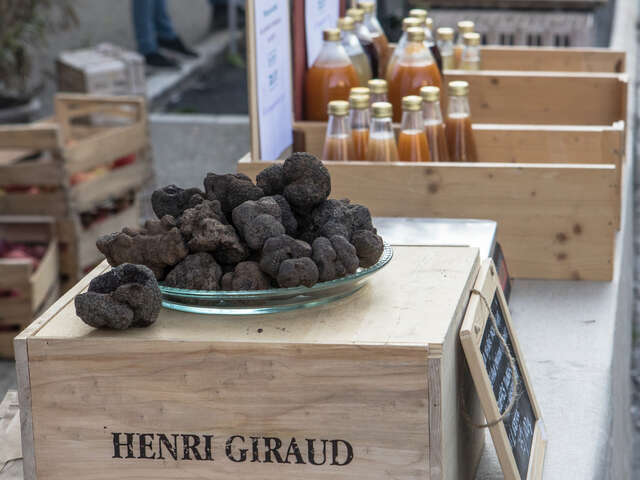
(124, 161)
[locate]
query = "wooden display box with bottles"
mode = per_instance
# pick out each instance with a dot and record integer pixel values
(83, 167)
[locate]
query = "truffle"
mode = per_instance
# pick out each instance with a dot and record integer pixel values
(287, 216)
(281, 248)
(172, 200)
(369, 247)
(231, 190)
(297, 271)
(271, 180)
(335, 257)
(307, 181)
(246, 276)
(126, 296)
(256, 221)
(198, 271)
(158, 245)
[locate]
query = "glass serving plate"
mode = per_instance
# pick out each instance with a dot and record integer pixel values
(251, 302)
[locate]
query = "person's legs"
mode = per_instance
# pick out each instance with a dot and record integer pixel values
(219, 9)
(143, 24)
(162, 21)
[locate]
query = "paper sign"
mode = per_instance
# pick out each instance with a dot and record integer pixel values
(319, 15)
(273, 77)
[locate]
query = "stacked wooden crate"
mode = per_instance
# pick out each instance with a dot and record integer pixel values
(84, 168)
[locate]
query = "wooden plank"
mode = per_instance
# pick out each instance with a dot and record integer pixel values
(35, 136)
(548, 229)
(552, 59)
(543, 97)
(40, 173)
(54, 204)
(45, 276)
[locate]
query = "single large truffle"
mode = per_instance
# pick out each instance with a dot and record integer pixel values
(298, 271)
(256, 221)
(198, 271)
(307, 181)
(231, 190)
(271, 180)
(246, 276)
(126, 296)
(369, 247)
(278, 249)
(158, 245)
(287, 217)
(172, 200)
(335, 257)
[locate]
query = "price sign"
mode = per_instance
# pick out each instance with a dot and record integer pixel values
(500, 376)
(270, 91)
(318, 15)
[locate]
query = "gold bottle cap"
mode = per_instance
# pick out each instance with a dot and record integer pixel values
(419, 13)
(356, 13)
(381, 110)
(415, 34)
(331, 35)
(338, 107)
(429, 23)
(412, 103)
(359, 91)
(471, 38)
(409, 22)
(346, 24)
(359, 102)
(430, 94)
(445, 33)
(466, 26)
(367, 7)
(378, 85)
(458, 88)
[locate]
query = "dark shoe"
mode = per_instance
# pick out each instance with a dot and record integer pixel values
(219, 16)
(176, 45)
(155, 59)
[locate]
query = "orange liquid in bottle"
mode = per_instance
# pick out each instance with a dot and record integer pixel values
(413, 147)
(381, 45)
(324, 84)
(437, 141)
(457, 54)
(338, 148)
(360, 139)
(462, 146)
(382, 150)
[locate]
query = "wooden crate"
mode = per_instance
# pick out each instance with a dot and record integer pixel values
(382, 370)
(35, 290)
(554, 191)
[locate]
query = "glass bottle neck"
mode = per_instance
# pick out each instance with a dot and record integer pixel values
(359, 119)
(338, 126)
(446, 47)
(333, 54)
(372, 23)
(432, 113)
(471, 54)
(412, 121)
(381, 128)
(458, 107)
(351, 43)
(415, 54)
(378, 97)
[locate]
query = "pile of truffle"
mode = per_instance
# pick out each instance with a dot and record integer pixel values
(237, 235)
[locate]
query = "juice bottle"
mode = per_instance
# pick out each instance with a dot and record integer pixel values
(464, 26)
(359, 120)
(414, 69)
(445, 44)
(365, 38)
(379, 91)
(407, 23)
(433, 124)
(460, 141)
(382, 142)
(412, 141)
(354, 49)
(329, 78)
(338, 145)
(377, 35)
(471, 52)
(427, 24)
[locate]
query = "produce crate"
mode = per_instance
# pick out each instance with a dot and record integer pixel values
(554, 191)
(26, 292)
(391, 390)
(84, 164)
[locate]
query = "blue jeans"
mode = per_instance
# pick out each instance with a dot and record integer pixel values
(151, 21)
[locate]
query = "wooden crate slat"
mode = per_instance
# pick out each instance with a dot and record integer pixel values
(54, 204)
(45, 276)
(34, 136)
(47, 173)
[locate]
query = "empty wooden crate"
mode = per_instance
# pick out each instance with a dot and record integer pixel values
(369, 386)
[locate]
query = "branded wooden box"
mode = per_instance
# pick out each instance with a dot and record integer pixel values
(25, 291)
(377, 377)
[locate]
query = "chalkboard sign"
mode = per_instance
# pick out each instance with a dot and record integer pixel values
(518, 433)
